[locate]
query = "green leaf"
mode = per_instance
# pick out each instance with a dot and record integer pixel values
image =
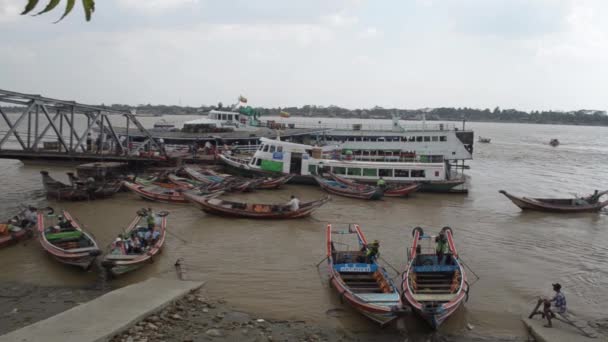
(68, 8)
(89, 7)
(52, 4)
(30, 6)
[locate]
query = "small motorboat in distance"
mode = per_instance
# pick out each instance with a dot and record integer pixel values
(63, 238)
(434, 288)
(484, 140)
(121, 258)
(359, 279)
(346, 190)
(554, 142)
(166, 195)
(391, 190)
(560, 205)
(18, 228)
(251, 210)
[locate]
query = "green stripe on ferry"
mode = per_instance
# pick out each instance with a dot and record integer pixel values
(270, 165)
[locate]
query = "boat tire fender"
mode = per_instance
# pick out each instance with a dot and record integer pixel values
(466, 292)
(417, 229)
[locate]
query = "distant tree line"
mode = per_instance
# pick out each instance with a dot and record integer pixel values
(578, 117)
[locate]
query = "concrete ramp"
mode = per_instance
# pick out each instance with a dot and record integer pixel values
(106, 316)
(560, 332)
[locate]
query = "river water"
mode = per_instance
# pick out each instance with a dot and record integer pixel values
(268, 267)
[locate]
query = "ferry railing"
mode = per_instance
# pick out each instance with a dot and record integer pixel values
(403, 127)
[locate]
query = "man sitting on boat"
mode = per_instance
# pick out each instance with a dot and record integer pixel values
(64, 224)
(11, 227)
(559, 305)
(294, 203)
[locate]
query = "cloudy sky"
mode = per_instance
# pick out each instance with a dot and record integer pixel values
(526, 54)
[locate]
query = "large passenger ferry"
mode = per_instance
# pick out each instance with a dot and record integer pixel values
(303, 161)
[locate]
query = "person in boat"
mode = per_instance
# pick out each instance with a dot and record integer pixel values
(372, 250)
(13, 225)
(63, 223)
(381, 183)
(592, 199)
(117, 246)
(155, 236)
(294, 203)
(557, 304)
(441, 248)
(150, 219)
(29, 217)
(137, 247)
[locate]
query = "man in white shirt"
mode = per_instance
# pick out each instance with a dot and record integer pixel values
(294, 203)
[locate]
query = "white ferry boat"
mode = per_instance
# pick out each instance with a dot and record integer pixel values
(423, 142)
(303, 161)
(221, 121)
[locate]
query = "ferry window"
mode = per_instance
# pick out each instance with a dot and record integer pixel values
(354, 171)
(436, 173)
(266, 148)
(366, 153)
(338, 170)
(261, 147)
(403, 138)
(412, 138)
(418, 139)
(312, 169)
(258, 162)
(395, 138)
(385, 172)
(370, 172)
(272, 148)
(279, 148)
(443, 138)
(418, 173)
(435, 138)
(402, 173)
(427, 138)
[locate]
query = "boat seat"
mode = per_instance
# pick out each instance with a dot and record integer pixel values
(122, 256)
(379, 297)
(433, 297)
(435, 268)
(84, 249)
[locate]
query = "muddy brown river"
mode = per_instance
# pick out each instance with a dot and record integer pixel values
(269, 266)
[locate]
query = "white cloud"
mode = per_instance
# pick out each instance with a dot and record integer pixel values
(10, 10)
(154, 6)
(340, 20)
(370, 32)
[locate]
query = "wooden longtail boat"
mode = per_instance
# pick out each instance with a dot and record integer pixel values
(560, 205)
(433, 289)
(337, 188)
(273, 182)
(254, 210)
(70, 246)
(103, 190)
(360, 280)
(118, 260)
(77, 192)
(392, 190)
(165, 195)
(235, 184)
(25, 224)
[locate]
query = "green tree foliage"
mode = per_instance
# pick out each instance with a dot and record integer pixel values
(88, 5)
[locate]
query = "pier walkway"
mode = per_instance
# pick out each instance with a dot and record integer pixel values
(106, 316)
